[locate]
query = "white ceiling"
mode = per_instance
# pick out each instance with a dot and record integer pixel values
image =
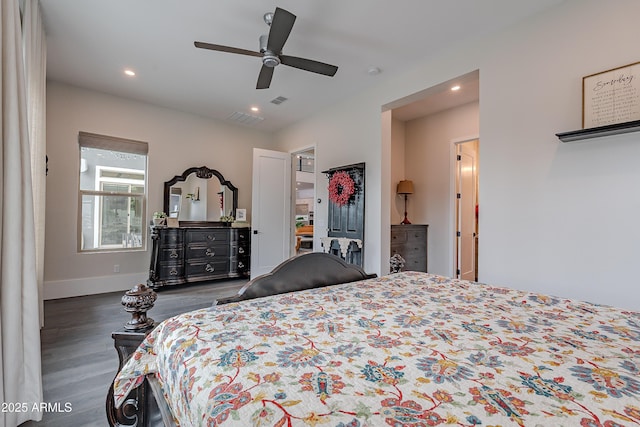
(91, 42)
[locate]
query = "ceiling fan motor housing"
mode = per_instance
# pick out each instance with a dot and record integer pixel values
(269, 59)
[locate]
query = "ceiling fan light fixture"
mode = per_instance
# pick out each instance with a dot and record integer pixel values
(263, 43)
(270, 60)
(268, 18)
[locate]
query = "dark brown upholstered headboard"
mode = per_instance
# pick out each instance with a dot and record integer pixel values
(312, 270)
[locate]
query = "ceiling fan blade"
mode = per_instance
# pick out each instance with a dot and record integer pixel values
(309, 65)
(228, 49)
(264, 78)
(281, 26)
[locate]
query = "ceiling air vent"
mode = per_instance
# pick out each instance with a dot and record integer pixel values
(245, 119)
(279, 100)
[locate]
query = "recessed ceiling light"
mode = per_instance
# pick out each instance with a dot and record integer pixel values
(374, 71)
(130, 73)
(454, 88)
(255, 109)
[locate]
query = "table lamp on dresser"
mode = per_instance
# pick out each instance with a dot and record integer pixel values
(405, 188)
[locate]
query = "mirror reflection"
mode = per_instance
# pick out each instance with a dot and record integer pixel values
(199, 199)
(200, 194)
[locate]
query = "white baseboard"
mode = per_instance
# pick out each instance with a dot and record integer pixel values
(92, 285)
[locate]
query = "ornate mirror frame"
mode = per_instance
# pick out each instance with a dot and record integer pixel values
(204, 173)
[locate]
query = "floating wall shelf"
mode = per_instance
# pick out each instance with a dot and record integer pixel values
(615, 129)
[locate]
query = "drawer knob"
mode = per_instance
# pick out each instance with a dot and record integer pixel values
(173, 254)
(240, 250)
(209, 268)
(240, 264)
(173, 272)
(211, 237)
(210, 252)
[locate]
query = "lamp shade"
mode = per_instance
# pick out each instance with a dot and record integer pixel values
(405, 187)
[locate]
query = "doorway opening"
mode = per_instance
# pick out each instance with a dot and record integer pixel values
(419, 137)
(304, 164)
(466, 209)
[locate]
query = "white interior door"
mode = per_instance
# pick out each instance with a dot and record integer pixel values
(466, 183)
(270, 210)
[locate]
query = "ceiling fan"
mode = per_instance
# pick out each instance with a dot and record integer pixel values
(281, 23)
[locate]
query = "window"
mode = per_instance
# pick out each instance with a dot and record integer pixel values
(113, 175)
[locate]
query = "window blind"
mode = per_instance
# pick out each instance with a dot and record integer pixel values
(92, 140)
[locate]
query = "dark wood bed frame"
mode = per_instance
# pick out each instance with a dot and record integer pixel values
(312, 270)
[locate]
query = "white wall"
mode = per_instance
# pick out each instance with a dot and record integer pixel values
(176, 140)
(556, 218)
(428, 163)
(397, 165)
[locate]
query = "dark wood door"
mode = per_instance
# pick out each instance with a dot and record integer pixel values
(347, 220)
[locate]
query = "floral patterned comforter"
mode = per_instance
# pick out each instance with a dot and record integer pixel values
(408, 349)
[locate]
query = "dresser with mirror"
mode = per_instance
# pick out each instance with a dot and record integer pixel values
(203, 246)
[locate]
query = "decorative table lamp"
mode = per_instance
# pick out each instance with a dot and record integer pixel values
(405, 187)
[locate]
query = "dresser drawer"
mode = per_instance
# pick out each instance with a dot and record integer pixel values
(243, 237)
(397, 249)
(170, 271)
(171, 254)
(415, 262)
(208, 236)
(207, 251)
(416, 247)
(408, 235)
(171, 237)
(240, 266)
(202, 267)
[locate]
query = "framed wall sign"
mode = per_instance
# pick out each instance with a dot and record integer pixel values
(611, 97)
(241, 214)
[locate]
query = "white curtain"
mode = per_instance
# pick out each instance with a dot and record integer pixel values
(35, 61)
(20, 373)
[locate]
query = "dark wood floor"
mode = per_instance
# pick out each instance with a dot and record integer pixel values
(78, 357)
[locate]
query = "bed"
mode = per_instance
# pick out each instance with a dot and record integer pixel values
(406, 349)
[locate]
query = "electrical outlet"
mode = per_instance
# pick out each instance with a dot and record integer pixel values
(116, 268)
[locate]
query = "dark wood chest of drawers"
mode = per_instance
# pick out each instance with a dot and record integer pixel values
(410, 242)
(193, 254)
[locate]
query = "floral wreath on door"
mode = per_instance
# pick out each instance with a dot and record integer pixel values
(341, 188)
